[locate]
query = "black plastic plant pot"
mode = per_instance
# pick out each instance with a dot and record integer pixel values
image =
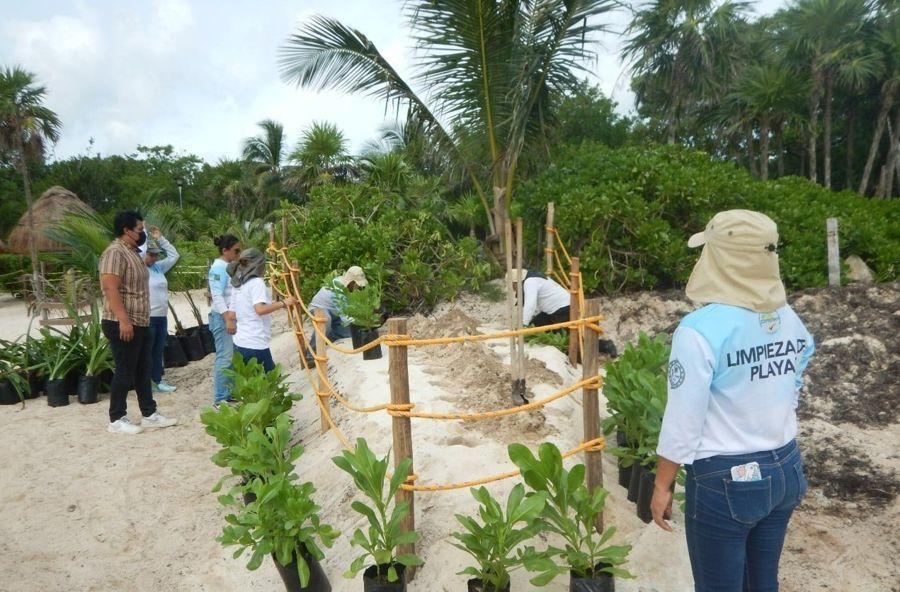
(369, 336)
(192, 344)
(645, 494)
(476, 585)
(598, 581)
(72, 382)
(35, 386)
(87, 389)
(173, 354)
(209, 342)
(634, 485)
(318, 581)
(625, 474)
(356, 336)
(8, 393)
(375, 579)
(57, 392)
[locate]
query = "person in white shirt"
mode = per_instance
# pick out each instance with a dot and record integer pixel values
(734, 380)
(252, 306)
(159, 304)
(330, 300)
(544, 302)
(229, 247)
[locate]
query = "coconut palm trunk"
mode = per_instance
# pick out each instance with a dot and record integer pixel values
(32, 237)
(887, 100)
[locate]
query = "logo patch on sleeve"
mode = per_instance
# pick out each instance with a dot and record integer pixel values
(770, 321)
(676, 374)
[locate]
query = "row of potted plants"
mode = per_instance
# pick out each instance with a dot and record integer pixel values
(60, 363)
(635, 388)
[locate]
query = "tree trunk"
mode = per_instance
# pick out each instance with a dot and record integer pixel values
(851, 128)
(886, 102)
(26, 181)
(814, 122)
(499, 214)
(764, 149)
(890, 163)
(826, 141)
(751, 162)
(781, 154)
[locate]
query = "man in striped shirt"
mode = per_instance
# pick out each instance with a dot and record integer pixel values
(126, 324)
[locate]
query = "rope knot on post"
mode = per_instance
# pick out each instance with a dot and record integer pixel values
(399, 409)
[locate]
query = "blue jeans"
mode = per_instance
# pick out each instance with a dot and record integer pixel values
(159, 331)
(334, 330)
(224, 351)
(735, 529)
(263, 356)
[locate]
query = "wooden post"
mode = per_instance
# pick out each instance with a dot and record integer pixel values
(519, 369)
(39, 291)
(590, 407)
(834, 256)
(321, 366)
(401, 427)
(575, 310)
(551, 242)
(511, 300)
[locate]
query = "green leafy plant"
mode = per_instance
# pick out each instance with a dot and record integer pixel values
(559, 340)
(60, 352)
(636, 392)
(363, 305)
(492, 541)
(282, 520)
(383, 536)
(13, 366)
(94, 351)
(570, 512)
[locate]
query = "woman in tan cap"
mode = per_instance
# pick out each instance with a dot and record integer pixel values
(329, 299)
(734, 380)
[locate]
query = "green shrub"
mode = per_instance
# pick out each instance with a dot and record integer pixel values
(628, 212)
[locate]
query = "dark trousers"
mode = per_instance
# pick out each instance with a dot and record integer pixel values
(132, 360)
(263, 356)
(560, 315)
(159, 331)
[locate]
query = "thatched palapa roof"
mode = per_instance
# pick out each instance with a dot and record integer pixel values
(53, 206)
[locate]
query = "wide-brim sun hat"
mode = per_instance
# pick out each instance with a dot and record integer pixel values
(739, 262)
(356, 275)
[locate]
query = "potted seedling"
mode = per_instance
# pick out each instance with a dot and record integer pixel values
(13, 379)
(282, 520)
(636, 391)
(570, 512)
(363, 307)
(60, 358)
(493, 540)
(384, 514)
(95, 355)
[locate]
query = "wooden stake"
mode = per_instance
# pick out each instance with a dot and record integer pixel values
(590, 407)
(401, 427)
(511, 305)
(519, 368)
(834, 256)
(575, 309)
(321, 367)
(551, 242)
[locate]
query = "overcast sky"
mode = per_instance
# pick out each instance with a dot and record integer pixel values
(200, 74)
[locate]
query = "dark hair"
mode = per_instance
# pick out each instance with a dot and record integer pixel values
(126, 220)
(225, 242)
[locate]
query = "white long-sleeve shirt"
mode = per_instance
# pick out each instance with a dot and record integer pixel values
(159, 285)
(219, 286)
(734, 381)
(542, 295)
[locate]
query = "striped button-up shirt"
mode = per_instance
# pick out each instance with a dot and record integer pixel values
(122, 260)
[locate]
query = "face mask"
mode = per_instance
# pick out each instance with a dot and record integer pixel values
(142, 238)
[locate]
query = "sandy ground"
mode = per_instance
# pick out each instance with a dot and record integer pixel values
(86, 510)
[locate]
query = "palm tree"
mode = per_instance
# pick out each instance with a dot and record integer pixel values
(888, 40)
(25, 124)
(490, 68)
(683, 51)
(321, 157)
(266, 154)
(822, 32)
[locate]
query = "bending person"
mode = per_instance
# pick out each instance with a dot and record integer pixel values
(734, 381)
(330, 300)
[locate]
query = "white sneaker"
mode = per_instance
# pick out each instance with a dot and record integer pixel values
(123, 426)
(158, 420)
(163, 387)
